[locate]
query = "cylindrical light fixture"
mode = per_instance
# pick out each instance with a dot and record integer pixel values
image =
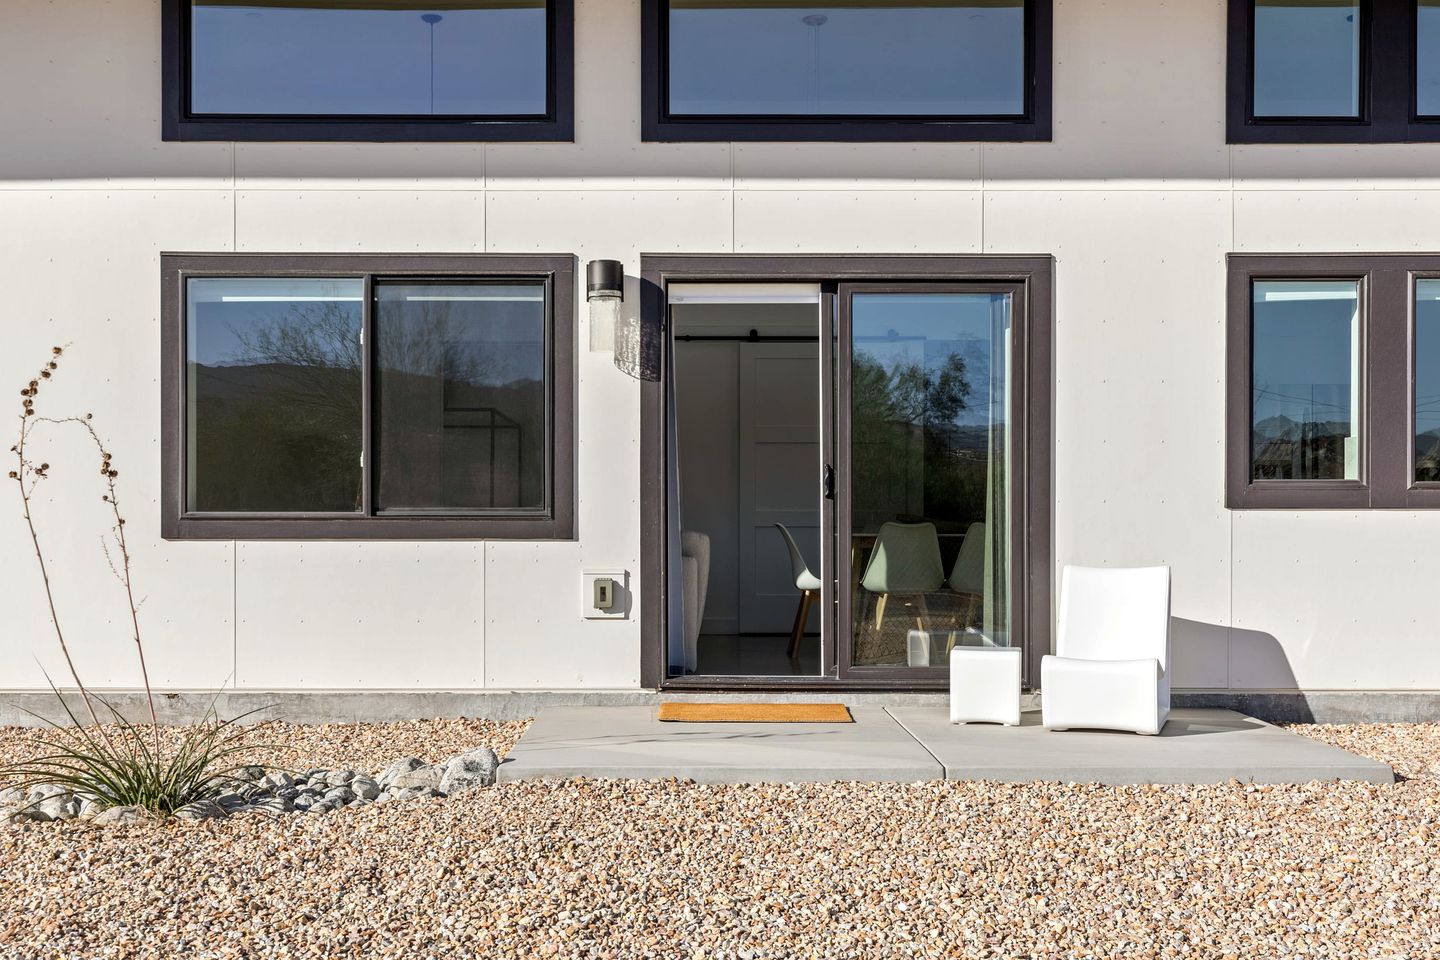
(605, 279)
(605, 289)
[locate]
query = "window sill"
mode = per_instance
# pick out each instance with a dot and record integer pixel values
(1331, 131)
(367, 131)
(758, 130)
(1301, 495)
(558, 527)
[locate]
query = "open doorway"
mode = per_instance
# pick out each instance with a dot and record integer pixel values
(748, 455)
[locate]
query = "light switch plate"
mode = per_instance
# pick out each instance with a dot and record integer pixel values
(619, 607)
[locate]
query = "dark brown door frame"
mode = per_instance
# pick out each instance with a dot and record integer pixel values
(1032, 445)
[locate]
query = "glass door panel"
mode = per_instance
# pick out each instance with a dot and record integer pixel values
(924, 559)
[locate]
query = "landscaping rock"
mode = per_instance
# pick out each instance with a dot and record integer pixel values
(365, 788)
(469, 770)
(399, 768)
(44, 791)
(61, 807)
(230, 802)
(339, 796)
(271, 807)
(201, 810)
(423, 777)
(276, 781)
(339, 778)
(112, 815)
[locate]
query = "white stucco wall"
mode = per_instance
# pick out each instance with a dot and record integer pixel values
(1138, 197)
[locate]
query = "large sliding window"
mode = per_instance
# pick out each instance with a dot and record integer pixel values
(1334, 393)
(862, 70)
(368, 70)
(1334, 71)
(390, 397)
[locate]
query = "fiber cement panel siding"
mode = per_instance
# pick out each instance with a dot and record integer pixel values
(1137, 197)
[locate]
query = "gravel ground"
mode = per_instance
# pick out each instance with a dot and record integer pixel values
(359, 746)
(668, 869)
(1412, 749)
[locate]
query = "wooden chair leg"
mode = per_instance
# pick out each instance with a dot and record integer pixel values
(922, 612)
(880, 610)
(799, 624)
(802, 617)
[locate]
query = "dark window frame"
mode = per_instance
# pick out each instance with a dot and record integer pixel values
(556, 523)
(179, 124)
(1386, 369)
(1034, 443)
(1388, 54)
(658, 125)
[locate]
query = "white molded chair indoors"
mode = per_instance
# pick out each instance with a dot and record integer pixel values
(967, 578)
(1111, 670)
(906, 562)
(806, 582)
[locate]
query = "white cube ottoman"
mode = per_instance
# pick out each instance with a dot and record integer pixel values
(985, 685)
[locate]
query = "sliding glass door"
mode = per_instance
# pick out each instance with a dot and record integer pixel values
(925, 532)
(847, 465)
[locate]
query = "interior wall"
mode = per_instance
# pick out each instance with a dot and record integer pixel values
(709, 405)
(707, 400)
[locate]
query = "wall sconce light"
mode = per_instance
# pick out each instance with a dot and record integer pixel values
(605, 290)
(637, 350)
(605, 280)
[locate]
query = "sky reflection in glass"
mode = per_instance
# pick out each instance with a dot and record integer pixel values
(956, 58)
(1307, 58)
(273, 59)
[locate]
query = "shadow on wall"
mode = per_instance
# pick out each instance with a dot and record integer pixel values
(1252, 664)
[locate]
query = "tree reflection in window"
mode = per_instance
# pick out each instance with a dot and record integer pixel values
(274, 408)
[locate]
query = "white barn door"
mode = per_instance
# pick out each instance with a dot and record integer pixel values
(779, 461)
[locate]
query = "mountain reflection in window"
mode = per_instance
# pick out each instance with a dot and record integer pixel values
(273, 382)
(461, 420)
(1305, 391)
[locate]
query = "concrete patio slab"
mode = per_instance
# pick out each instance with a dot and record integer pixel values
(628, 742)
(1196, 746)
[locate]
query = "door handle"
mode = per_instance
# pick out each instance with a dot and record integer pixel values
(827, 482)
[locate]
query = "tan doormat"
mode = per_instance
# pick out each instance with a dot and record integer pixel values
(755, 713)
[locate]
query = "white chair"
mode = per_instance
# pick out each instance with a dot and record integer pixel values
(967, 577)
(695, 577)
(806, 582)
(1112, 665)
(905, 561)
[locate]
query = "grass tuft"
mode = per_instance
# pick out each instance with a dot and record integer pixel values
(125, 766)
